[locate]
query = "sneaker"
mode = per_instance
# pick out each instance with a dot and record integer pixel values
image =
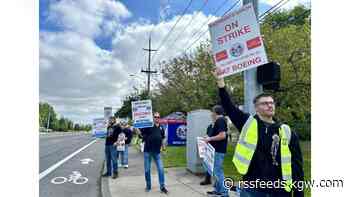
(119, 165)
(105, 175)
(147, 189)
(126, 166)
(164, 190)
(115, 175)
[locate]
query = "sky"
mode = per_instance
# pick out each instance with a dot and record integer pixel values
(89, 48)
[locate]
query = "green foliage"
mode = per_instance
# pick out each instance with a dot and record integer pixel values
(189, 85)
(61, 124)
(125, 110)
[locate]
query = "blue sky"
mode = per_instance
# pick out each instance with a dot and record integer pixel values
(88, 48)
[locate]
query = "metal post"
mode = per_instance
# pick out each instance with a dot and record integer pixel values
(251, 86)
(48, 122)
(149, 71)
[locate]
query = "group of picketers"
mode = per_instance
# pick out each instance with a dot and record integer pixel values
(267, 151)
(118, 138)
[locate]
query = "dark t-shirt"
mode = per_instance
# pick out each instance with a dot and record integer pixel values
(219, 126)
(153, 137)
(112, 134)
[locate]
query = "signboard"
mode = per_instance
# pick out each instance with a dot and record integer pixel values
(236, 42)
(99, 127)
(107, 112)
(201, 147)
(142, 115)
(207, 152)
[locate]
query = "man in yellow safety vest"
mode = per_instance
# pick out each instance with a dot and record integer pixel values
(267, 153)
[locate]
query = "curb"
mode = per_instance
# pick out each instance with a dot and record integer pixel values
(104, 188)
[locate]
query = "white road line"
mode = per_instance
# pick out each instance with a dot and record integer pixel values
(53, 167)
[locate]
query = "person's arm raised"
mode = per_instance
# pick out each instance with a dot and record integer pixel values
(237, 117)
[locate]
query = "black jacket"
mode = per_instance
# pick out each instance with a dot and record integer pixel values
(112, 134)
(261, 166)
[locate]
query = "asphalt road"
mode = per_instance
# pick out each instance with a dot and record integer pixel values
(54, 148)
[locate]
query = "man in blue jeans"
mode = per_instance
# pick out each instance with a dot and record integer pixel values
(113, 131)
(153, 138)
(218, 140)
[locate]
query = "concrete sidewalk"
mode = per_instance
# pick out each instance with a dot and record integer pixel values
(131, 181)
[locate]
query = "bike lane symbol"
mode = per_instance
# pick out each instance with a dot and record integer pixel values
(75, 178)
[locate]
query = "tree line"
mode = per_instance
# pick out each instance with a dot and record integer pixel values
(189, 85)
(48, 117)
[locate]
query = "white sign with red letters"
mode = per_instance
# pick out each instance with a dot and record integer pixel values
(236, 42)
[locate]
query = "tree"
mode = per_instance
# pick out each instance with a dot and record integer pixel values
(44, 110)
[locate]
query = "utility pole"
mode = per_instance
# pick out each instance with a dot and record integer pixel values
(149, 71)
(251, 86)
(48, 122)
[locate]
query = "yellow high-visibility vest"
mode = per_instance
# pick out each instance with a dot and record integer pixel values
(247, 143)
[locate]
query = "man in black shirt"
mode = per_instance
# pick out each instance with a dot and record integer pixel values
(153, 138)
(266, 138)
(113, 131)
(218, 140)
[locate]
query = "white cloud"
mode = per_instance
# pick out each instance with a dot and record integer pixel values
(128, 45)
(78, 77)
(87, 17)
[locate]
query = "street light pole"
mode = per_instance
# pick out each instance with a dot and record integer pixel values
(251, 86)
(48, 122)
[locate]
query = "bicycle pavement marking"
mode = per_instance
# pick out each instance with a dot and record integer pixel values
(53, 167)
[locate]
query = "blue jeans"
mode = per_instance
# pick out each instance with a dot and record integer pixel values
(125, 155)
(219, 173)
(246, 192)
(147, 164)
(111, 159)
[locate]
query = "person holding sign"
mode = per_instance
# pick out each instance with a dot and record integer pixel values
(267, 150)
(153, 138)
(218, 140)
(113, 131)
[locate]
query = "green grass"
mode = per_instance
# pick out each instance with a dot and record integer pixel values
(175, 156)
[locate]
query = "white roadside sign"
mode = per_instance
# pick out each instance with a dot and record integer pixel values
(236, 42)
(142, 115)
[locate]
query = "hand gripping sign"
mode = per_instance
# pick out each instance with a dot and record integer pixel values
(236, 42)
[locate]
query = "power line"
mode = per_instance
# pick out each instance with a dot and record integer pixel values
(207, 21)
(268, 13)
(190, 21)
(203, 33)
(270, 8)
(173, 27)
(273, 11)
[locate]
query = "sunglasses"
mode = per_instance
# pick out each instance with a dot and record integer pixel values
(156, 116)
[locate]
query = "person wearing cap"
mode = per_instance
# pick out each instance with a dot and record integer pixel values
(218, 140)
(113, 130)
